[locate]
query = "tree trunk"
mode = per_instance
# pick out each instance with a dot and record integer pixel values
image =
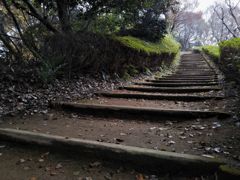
(8, 43)
(63, 14)
(34, 13)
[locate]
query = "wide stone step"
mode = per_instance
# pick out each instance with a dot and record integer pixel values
(152, 160)
(194, 71)
(158, 96)
(172, 89)
(175, 84)
(197, 72)
(194, 74)
(188, 78)
(194, 64)
(154, 114)
(189, 63)
(180, 81)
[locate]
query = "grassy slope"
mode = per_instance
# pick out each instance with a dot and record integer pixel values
(215, 51)
(228, 53)
(212, 51)
(230, 50)
(166, 45)
(232, 43)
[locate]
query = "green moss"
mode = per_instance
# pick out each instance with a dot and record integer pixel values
(132, 70)
(126, 76)
(147, 70)
(166, 45)
(212, 51)
(167, 48)
(232, 43)
(230, 170)
(230, 52)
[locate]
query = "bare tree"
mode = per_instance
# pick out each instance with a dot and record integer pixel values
(191, 30)
(228, 14)
(188, 26)
(176, 15)
(234, 12)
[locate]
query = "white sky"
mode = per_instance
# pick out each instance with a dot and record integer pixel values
(204, 4)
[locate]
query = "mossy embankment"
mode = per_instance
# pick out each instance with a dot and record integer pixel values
(167, 45)
(113, 55)
(212, 51)
(227, 55)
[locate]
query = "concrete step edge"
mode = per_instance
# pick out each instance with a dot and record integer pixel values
(171, 89)
(153, 160)
(158, 97)
(131, 111)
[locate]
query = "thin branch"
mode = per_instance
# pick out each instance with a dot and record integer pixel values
(13, 18)
(25, 42)
(231, 11)
(13, 37)
(221, 17)
(34, 13)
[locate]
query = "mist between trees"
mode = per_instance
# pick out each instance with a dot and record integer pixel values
(221, 21)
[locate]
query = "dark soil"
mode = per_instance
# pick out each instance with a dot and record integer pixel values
(218, 138)
(30, 163)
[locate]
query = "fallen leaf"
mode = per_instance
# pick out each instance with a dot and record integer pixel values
(21, 161)
(40, 160)
(139, 177)
(2, 146)
(182, 137)
(95, 164)
(44, 155)
(217, 149)
(85, 178)
(152, 128)
(53, 173)
(208, 148)
(216, 125)
(119, 140)
(208, 156)
(76, 173)
(171, 143)
(59, 166)
(191, 135)
(26, 168)
(108, 176)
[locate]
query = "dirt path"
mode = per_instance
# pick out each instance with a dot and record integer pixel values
(197, 83)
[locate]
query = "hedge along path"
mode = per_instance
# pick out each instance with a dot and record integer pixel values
(151, 160)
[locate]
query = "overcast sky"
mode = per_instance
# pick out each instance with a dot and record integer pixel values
(204, 4)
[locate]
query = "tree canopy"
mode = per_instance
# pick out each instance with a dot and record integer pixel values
(25, 24)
